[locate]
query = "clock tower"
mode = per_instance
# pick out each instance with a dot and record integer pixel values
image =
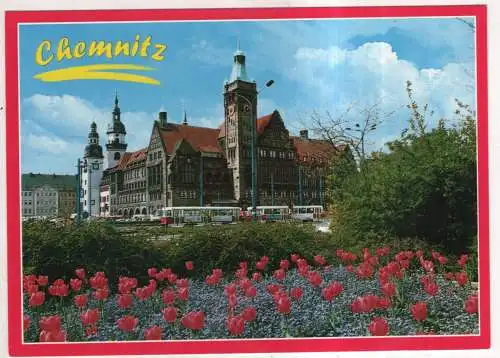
(240, 112)
(116, 145)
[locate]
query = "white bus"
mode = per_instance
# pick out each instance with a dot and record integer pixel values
(198, 215)
(271, 213)
(307, 212)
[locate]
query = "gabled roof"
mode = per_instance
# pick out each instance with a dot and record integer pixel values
(31, 181)
(314, 150)
(262, 123)
(200, 138)
(137, 156)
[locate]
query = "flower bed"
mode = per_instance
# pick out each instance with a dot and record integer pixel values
(374, 294)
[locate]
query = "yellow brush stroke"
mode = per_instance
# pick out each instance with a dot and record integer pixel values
(98, 72)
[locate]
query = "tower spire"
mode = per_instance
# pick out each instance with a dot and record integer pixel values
(185, 122)
(239, 71)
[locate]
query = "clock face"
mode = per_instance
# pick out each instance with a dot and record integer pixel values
(246, 108)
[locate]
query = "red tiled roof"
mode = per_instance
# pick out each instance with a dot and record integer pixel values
(262, 123)
(137, 156)
(311, 150)
(123, 160)
(200, 138)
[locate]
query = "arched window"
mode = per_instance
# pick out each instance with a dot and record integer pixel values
(117, 156)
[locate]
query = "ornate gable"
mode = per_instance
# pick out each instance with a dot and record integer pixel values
(273, 133)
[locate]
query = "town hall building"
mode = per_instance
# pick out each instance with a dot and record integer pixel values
(185, 165)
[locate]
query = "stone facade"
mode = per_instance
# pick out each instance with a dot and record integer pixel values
(185, 165)
(48, 195)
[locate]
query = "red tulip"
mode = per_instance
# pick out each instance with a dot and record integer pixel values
(81, 300)
(294, 257)
(76, 284)
(332, 290)
(31, 288)
(172, 278)
(91, 330)
(364, 270)
(261, 266)
(251, 291)
(243, 265)
(442, 260)
(153, 334)
(42, 280)
(378, 327)
(283, 304)
(125, 300)
(257, 276)
(26, 322)
(127, 323)
(232, 301)
(59, 289)
(230, 290)
(182, 282)
(245, 283)
(90, 316)
(212, 280)
(272, 288)
(183, 294)
(320, 260)
(431, 288)
(462, 261)
(99, 280)
(389, 289)
(101, 294)
(279, 274)
(37, 299)
(428, 265)
(80, 273)
(152, 272)
(383, 303)
(314, 278)
(461, 278)
(170, 314)
(284, 264)
(52, 336)
(189, 265)
(296, 293)
(236, 325)
(249, 314)
(50, 324)
(194, 320)
(449, 276)
(419, 311)
(471, 305)
(217, 272)
(168, 296)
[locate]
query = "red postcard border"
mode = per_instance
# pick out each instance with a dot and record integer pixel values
(17, 348)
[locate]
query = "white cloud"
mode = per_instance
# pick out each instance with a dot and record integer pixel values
(373, 71)
(58, 126)
(47, 144)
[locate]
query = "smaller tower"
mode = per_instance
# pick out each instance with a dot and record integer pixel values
(116, 146)
(91, 173)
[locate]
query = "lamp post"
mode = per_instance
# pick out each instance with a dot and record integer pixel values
(201, 179)
(78, 196)
(253, 116)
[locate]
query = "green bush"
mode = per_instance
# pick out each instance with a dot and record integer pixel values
(58, 251)
(423, 187)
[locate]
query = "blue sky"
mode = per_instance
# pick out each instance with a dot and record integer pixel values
(316, 65)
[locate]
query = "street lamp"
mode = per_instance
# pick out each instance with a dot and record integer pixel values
(253, 115)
